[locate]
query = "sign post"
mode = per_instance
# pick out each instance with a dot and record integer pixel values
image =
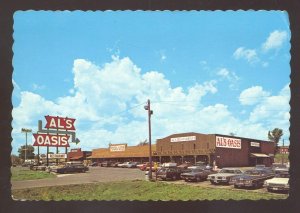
(57, 133)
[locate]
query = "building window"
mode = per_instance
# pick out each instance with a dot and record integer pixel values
(194, 146)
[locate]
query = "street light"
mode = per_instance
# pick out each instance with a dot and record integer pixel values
(23, 130)
(150, 112)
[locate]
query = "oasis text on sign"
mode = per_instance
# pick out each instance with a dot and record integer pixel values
(232, 143)
(51, 140)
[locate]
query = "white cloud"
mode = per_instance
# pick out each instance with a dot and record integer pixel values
(37, 87)
(248, 54)
(230, 76)
(253, 95)
(273, 111)
(275, 40)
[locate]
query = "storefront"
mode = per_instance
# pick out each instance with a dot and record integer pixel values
(123, 153)
(192, 147)
(224, 150)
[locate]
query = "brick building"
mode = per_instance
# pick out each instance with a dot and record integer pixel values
(78, 155)
(224, 150)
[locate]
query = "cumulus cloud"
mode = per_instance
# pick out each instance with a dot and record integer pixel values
(233, 79)
(253, 95)
(248, 54)
(275, 40)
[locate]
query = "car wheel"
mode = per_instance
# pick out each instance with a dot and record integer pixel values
(174, 177)
(236, 186)
(198, 179)
(269, 190)
(212, 182)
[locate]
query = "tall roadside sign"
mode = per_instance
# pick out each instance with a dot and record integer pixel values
(57, 132)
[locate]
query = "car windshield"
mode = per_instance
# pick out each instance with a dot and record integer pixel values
(227, 171)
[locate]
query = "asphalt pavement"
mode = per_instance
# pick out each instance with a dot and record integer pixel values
(94, 175)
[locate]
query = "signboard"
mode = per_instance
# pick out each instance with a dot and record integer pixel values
(231, 143)
(61, 156)
(256, 144)
(180, 139)
(117, 148)
(51, 140)
(55, 122)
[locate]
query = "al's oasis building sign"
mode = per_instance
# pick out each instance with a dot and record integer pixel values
(231, 143)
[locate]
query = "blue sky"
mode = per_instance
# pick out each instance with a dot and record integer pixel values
(208, 72)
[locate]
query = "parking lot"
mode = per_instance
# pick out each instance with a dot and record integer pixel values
(108, 174)
(95, 174)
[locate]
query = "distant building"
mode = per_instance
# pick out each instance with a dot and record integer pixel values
(283, 150)
(78, 155)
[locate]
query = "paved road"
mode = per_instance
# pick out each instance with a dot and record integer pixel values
(95, 174)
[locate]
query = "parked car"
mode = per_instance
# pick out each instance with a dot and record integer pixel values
(185, 165)
(172, 173)
(278, 167)
(253, 178)
(196, 174)
(41, 168)
(69, 168)
(123, 165)
(224, 175)
(279, 183)
(132, 165)
(94, 164)
(143, 166)
(105, 164)
(115, 164)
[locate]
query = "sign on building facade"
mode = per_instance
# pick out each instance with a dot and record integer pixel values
(117, 148)
(181, 139)
(256, 144)
(231, 143)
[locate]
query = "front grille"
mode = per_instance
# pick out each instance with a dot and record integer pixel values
(219, 178)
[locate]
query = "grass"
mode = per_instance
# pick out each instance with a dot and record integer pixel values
(23, 173)
(138, 190)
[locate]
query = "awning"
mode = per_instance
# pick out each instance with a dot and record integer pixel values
(259, 155)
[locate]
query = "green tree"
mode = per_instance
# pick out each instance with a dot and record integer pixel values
(29, 154)
(275, 136)
(142, 143)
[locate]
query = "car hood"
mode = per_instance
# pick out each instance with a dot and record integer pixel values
(223, 175)
(191, 173)
(278, 180)
(246, 177)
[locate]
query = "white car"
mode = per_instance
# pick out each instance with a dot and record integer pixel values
(279, 183)
(124, 165)
(224, 175)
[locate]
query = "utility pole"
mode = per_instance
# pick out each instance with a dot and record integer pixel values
(23, 130)
(150, 112)
(282, 153)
